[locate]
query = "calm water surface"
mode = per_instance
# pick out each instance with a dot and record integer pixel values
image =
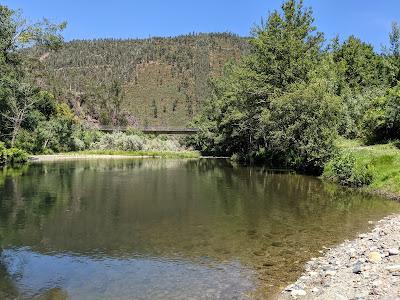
(166, 229)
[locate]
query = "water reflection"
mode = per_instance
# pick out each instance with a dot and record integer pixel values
(77, 277)
(207, 215)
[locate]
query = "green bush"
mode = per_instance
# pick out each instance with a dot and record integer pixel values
(17, 156)
(347, 170)
(125, 142)
(12, 155)
(381, 122)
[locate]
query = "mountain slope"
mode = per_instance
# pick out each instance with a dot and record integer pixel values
(143, 82)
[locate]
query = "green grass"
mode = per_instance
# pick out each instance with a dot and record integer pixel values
(385, 162)
(163, 154)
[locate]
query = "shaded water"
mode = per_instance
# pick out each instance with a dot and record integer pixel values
(166, 229)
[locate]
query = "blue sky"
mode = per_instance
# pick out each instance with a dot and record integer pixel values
(368, 19)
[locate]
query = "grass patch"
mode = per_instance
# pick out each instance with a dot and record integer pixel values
(383, 161)
(163, 154)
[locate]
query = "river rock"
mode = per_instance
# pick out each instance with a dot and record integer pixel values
(357, 269)
(374, 257)
(365, 268)
(330, 273)
(393, 268)
(296, 293)
(277, 244)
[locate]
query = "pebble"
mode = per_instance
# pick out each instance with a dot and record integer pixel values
(357, 268)
(296, 293)
(330, 273)
(340, 297)
(393, 268)
(377, 283)
(365, 268)
(374, 257)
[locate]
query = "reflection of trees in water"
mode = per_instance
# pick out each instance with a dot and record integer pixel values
(8, 289)
(105, 197)
(190, 208)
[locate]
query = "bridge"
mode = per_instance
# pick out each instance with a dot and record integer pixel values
(150, 130)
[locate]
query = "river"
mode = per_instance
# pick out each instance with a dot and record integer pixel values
(167, 229)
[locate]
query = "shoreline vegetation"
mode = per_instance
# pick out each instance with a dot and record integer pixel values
(104, 154)
(373, 169)
(382, 161)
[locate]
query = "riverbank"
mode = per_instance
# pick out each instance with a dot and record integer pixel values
(108, 154)
(365, 268)
(384, 163)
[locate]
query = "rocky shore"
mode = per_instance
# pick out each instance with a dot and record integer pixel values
(365, 268)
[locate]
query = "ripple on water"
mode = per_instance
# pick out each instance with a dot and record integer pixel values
(136, 278)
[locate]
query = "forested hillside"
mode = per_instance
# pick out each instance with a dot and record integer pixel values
(147, 82)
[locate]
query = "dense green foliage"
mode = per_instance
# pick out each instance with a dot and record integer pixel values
(273, 107)
(382, 119)
(24, 105)
(288, 100)
(31, 117)
(377, 167)
(347, 170)
(12, 155)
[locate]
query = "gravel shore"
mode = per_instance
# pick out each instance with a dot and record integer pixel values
(365, 268)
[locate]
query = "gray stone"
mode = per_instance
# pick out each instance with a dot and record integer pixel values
(357, 269)
(393, 251)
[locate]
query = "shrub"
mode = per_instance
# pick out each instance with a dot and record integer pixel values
(299, 128)
(125, 142)
(17, 156)
(12, 155)
(381, 122)
(347, 170)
